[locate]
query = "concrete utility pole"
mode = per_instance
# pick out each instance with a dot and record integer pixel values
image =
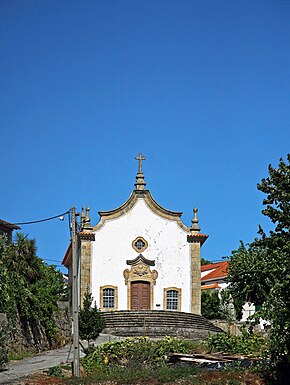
(75, 295)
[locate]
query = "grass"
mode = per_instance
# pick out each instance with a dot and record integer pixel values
(16, 356)
(157, 375)
(168, 376)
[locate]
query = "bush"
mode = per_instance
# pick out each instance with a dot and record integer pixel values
(3, 346)
(215, 304)
(91, 322)
(133, 352)
(243, 344)
(210, 304)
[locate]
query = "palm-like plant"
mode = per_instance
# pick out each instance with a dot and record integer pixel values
(22, 258)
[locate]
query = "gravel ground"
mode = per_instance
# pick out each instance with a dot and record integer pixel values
(17, 370)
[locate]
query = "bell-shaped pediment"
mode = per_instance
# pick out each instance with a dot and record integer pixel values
(140, 270)
(140, 259)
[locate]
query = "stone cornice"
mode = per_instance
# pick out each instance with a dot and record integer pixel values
(86, 236)
(199, 238)
(139, 259)
(151, 203)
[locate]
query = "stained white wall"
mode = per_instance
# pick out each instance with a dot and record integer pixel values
(167, 246)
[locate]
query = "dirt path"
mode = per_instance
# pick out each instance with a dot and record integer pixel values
(17, 370)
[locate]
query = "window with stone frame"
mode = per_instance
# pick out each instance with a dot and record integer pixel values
(108, 297)
(172, 299)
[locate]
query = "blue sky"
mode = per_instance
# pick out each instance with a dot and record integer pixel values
(201, 88)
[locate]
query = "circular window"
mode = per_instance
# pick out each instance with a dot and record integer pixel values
(139, 244)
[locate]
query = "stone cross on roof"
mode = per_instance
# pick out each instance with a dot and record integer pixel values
(140, 157)
(140, 182)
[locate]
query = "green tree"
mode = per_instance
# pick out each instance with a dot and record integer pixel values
(214, 304)
(210, 304)
(205, 261)
(260, 271)
(91, 323)
(29, 288)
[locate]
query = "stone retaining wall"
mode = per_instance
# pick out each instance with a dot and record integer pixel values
(28, 335)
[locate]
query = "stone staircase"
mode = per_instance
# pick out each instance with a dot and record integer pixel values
(158, 323)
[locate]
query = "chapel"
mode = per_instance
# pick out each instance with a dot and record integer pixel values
(140, 256)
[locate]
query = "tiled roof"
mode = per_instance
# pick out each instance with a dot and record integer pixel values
(196, 236)
(212, 286)
(218, 270)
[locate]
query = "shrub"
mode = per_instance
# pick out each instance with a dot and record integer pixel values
(91, 323)
(244, 344)
(132, 352)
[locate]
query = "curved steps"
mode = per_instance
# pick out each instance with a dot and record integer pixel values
(158, 323)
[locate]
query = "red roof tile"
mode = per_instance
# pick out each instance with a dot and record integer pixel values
(212, 286)
(219, 270)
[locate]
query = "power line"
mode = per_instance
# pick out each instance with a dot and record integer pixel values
(42, 220)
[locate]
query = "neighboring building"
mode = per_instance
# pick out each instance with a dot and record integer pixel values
(6, 229)
(140, 256)
(213, 277)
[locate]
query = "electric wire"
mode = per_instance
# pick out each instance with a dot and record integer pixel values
(41, 220)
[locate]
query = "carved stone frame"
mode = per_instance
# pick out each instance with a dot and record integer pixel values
(140, 271)
(143, 248)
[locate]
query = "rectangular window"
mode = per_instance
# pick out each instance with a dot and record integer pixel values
(109, 298)
(172, 300)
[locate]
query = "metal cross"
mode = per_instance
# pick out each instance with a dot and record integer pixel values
(140, 158)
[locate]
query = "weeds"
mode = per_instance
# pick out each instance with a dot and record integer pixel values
(132, 352)
(15, 356)
(55, 371)
(121, 375)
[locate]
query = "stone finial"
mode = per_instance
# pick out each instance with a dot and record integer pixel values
(87, 220)
(140, 182)
(82, 217)
(194, 227)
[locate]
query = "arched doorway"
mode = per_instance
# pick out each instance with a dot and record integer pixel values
(140, 295)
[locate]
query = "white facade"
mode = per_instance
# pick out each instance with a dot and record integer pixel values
(167, 247)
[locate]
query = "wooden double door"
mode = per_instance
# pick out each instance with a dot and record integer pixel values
(140, 295)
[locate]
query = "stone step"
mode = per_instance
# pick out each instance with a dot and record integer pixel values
(164, 323)
(158, 323)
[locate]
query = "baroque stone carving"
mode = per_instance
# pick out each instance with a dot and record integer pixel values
(138, 272)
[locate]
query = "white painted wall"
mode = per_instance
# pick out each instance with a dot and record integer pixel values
(167, 246)
(206, 272)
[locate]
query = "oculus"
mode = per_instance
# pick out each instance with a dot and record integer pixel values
(139, 244)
